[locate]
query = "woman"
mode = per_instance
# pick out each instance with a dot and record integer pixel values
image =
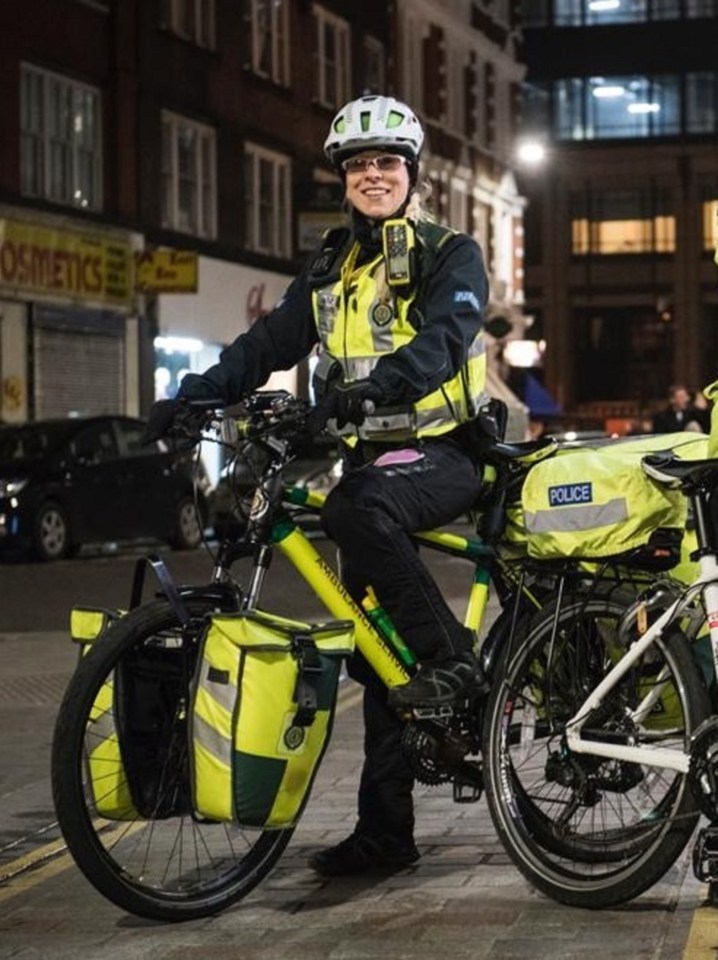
(394, 305)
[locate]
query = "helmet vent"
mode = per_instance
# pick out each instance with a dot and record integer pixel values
(394, 119)
(365, 120)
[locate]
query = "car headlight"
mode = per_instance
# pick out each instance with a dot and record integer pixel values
(9, 488)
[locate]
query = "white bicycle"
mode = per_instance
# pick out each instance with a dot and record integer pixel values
(601, 743)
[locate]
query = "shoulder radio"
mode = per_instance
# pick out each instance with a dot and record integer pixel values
(398, 242)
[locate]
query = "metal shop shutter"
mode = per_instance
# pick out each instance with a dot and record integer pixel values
(78, 368)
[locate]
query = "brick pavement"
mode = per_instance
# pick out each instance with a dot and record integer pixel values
(462, 900)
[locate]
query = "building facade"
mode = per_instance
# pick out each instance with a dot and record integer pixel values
(622, 95)
(162, 176)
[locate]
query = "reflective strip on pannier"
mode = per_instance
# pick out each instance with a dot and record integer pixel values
(262, 709)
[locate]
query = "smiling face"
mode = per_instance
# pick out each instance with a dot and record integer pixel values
(377, 193)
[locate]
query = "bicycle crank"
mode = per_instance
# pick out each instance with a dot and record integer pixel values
(437, 754)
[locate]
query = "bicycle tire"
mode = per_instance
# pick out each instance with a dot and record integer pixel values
(174, 866)
(610, 830)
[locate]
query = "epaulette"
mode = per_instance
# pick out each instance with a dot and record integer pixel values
(329, 255)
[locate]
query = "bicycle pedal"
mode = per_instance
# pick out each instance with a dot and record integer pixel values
(705, 855)
(468, 792)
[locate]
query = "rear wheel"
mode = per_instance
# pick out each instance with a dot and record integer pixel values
(163, 862)
(585, 830)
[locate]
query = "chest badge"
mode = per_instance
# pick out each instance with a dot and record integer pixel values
(381, 313)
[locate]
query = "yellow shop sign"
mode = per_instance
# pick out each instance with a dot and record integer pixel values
(87, 266)
(166, 271)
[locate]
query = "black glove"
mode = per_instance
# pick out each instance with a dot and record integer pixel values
(195, 386)
(162, 418)
(175, 419)
(350, 401)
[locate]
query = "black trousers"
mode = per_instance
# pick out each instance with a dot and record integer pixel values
(380, 501)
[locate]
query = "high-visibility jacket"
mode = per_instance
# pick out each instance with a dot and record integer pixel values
(428, 359)
(360, 322)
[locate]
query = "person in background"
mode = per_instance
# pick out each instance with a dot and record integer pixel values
(395, 304)
(680, 414)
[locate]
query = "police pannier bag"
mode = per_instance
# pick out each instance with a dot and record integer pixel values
(599, 503)
(261, 714)
(135, 750)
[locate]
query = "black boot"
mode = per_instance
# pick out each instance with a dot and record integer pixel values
(362, 853)
(439, 682)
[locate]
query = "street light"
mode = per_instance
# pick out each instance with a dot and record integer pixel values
(531, 153)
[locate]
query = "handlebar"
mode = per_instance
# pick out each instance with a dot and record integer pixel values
(267, 412)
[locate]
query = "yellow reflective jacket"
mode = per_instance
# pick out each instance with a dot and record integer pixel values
(422, 346)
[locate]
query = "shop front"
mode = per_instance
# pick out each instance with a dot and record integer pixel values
(68, 327)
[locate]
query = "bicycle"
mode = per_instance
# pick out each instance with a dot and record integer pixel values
(601, 744)
(148, 850)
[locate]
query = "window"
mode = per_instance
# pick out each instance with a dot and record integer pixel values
(535, 13)
(373, 80)
(460, 206)
(710, 219)
(701, 8)
(61, 139)
(596, 108)
(455, 110)
(591, 13)
(188, 176)
(622, 222)
(332, 59)
(267, 201)
(433, 70)
(191, 19)
(701, 102)
(535, 114)
(270, 39)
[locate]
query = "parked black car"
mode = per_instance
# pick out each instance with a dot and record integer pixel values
(65, 483)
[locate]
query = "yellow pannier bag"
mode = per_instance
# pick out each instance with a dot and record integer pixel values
(597, 503)
(136, 738)
(262, 710)
(103, 756)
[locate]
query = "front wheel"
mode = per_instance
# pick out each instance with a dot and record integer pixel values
(127, 816)
(51, 539)
(585, 830)
(187, 533)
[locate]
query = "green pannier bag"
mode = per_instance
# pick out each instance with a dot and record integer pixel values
(596, 503)
(261, 714)
(136, 741)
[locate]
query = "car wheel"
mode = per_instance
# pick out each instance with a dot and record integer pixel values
(52, 533)
(188, 526)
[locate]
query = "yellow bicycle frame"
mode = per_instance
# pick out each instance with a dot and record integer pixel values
(300, 552)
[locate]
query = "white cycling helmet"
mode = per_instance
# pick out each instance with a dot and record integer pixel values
(374, 122)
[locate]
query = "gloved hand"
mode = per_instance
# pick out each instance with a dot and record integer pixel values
(175, 419)
(195, 386)
(350, 401)
(161, 420)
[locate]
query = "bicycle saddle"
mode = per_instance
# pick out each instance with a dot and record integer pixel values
(672, 471)
(526, 450)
